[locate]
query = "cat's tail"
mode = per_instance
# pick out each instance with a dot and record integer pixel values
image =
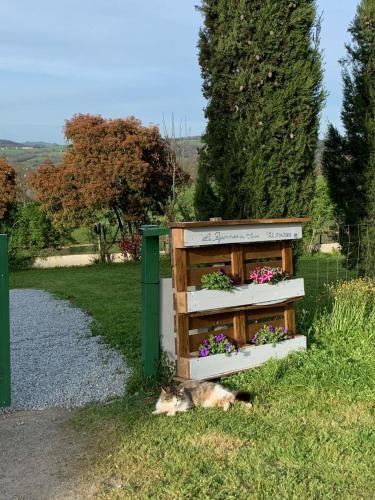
(243, 397)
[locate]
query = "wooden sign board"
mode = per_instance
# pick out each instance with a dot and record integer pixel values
(230, 232)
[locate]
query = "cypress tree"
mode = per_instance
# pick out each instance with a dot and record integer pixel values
(349, 160)
(337, 171)
(261, 70)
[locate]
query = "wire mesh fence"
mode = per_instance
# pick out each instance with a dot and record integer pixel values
(340, 253)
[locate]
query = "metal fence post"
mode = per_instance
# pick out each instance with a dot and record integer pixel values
(4, 324)
(150, 320)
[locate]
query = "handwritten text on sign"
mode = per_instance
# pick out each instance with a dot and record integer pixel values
(219, 235)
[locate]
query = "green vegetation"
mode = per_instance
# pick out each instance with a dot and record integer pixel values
(30, 158)
(349, 160)
(310, 433)
(322, 212)
(262, 77)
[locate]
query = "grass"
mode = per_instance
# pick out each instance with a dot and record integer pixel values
(310, 433)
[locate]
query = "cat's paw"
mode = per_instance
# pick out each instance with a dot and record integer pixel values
(247, 405)
(226, 406)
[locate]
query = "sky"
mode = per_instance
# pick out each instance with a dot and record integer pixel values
(119, 58)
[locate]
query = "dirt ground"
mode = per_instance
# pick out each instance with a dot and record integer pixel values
(42, 458)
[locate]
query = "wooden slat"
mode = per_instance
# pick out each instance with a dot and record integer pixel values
(264, 313)
(239, 222)
(287, 257)
(262, 250)
(196, 339)
(195, 274)
(179, 270)
(252, 328)
(210, 321)
(239, 318)
(236, 256)
(239, 326)
(182, 335)
(183, 367)
(208, 255)
(177, 238)
(290, 319)
(181, 302)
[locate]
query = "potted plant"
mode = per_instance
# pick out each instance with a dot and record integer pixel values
(266, 286)
(218, 355)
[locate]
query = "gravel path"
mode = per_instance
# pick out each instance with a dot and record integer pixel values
(55, 360)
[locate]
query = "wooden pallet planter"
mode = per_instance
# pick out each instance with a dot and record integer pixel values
(238, 247)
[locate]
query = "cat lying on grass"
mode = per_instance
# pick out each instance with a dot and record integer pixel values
(194, 393)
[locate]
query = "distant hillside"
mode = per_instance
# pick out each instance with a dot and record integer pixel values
(10, 144)
(29, 155)
(187, 153)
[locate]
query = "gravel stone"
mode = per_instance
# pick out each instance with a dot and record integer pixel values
(55, 361)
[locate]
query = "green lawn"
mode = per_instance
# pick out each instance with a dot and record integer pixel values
(310, 433)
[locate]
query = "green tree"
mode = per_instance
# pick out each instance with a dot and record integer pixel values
(30, 230)
(336, 169)
(262, 78)
(348, 160)
(322, 213)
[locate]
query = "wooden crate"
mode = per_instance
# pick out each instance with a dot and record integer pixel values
(238, 247)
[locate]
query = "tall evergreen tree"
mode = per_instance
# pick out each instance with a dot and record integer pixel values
(262, 78)
(338, 173)
(348, 161)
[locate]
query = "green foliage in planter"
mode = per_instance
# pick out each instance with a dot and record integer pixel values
(217, 281)
(262, 78)
(268, 334)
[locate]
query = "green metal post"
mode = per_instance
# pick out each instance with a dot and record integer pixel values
(4, 325)
(150, 298)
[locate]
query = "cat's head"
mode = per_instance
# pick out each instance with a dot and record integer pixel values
(170, 396)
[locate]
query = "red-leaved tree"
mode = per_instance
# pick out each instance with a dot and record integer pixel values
(8, 188)
(115, 167)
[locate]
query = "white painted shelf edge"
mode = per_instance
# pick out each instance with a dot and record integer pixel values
(252, 294)
(248, 357)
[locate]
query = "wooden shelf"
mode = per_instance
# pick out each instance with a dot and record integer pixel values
(238, 222)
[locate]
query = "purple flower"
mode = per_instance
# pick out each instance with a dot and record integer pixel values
(284, 330)
(228, 347)
(203, 352)
(219, 338)
(271, 328)
(254, 339)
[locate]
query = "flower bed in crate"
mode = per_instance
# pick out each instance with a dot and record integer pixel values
(249, 356)
(256, 294)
